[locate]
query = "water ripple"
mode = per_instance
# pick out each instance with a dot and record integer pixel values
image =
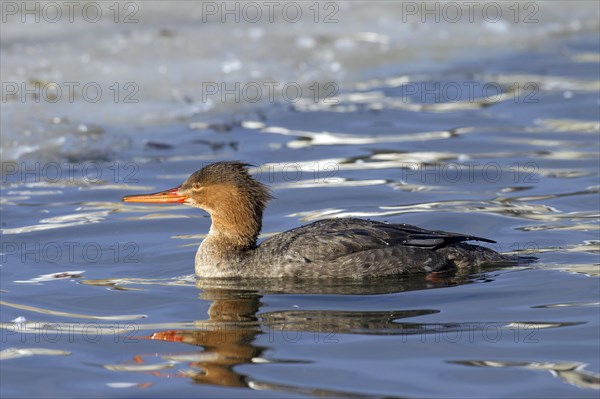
(573, 373)
(58, 222)
(15, 353)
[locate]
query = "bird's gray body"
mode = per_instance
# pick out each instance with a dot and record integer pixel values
(347, 248)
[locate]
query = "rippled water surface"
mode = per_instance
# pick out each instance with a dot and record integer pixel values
(98, 297)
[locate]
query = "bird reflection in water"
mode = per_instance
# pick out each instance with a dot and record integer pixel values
(235, 322)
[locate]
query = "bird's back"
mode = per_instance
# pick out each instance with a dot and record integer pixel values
(357, 248)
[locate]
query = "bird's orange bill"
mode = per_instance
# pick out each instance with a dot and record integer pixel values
(164, 197)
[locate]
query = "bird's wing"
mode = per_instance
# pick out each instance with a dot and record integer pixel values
(327, 240)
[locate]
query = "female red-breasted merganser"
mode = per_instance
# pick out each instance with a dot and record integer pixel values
(341, 248)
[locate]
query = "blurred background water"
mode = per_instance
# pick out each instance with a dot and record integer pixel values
(478, 117)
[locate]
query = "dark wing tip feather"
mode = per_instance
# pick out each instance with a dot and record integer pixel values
(480, 239)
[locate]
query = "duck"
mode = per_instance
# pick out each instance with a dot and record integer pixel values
(346, 248)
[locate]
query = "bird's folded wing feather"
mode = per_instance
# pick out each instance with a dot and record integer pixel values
(330, 239)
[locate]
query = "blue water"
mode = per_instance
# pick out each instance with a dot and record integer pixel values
(99, 297)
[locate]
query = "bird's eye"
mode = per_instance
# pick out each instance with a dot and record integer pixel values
(196, 186)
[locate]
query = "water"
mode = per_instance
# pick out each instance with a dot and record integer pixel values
(494, 133)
